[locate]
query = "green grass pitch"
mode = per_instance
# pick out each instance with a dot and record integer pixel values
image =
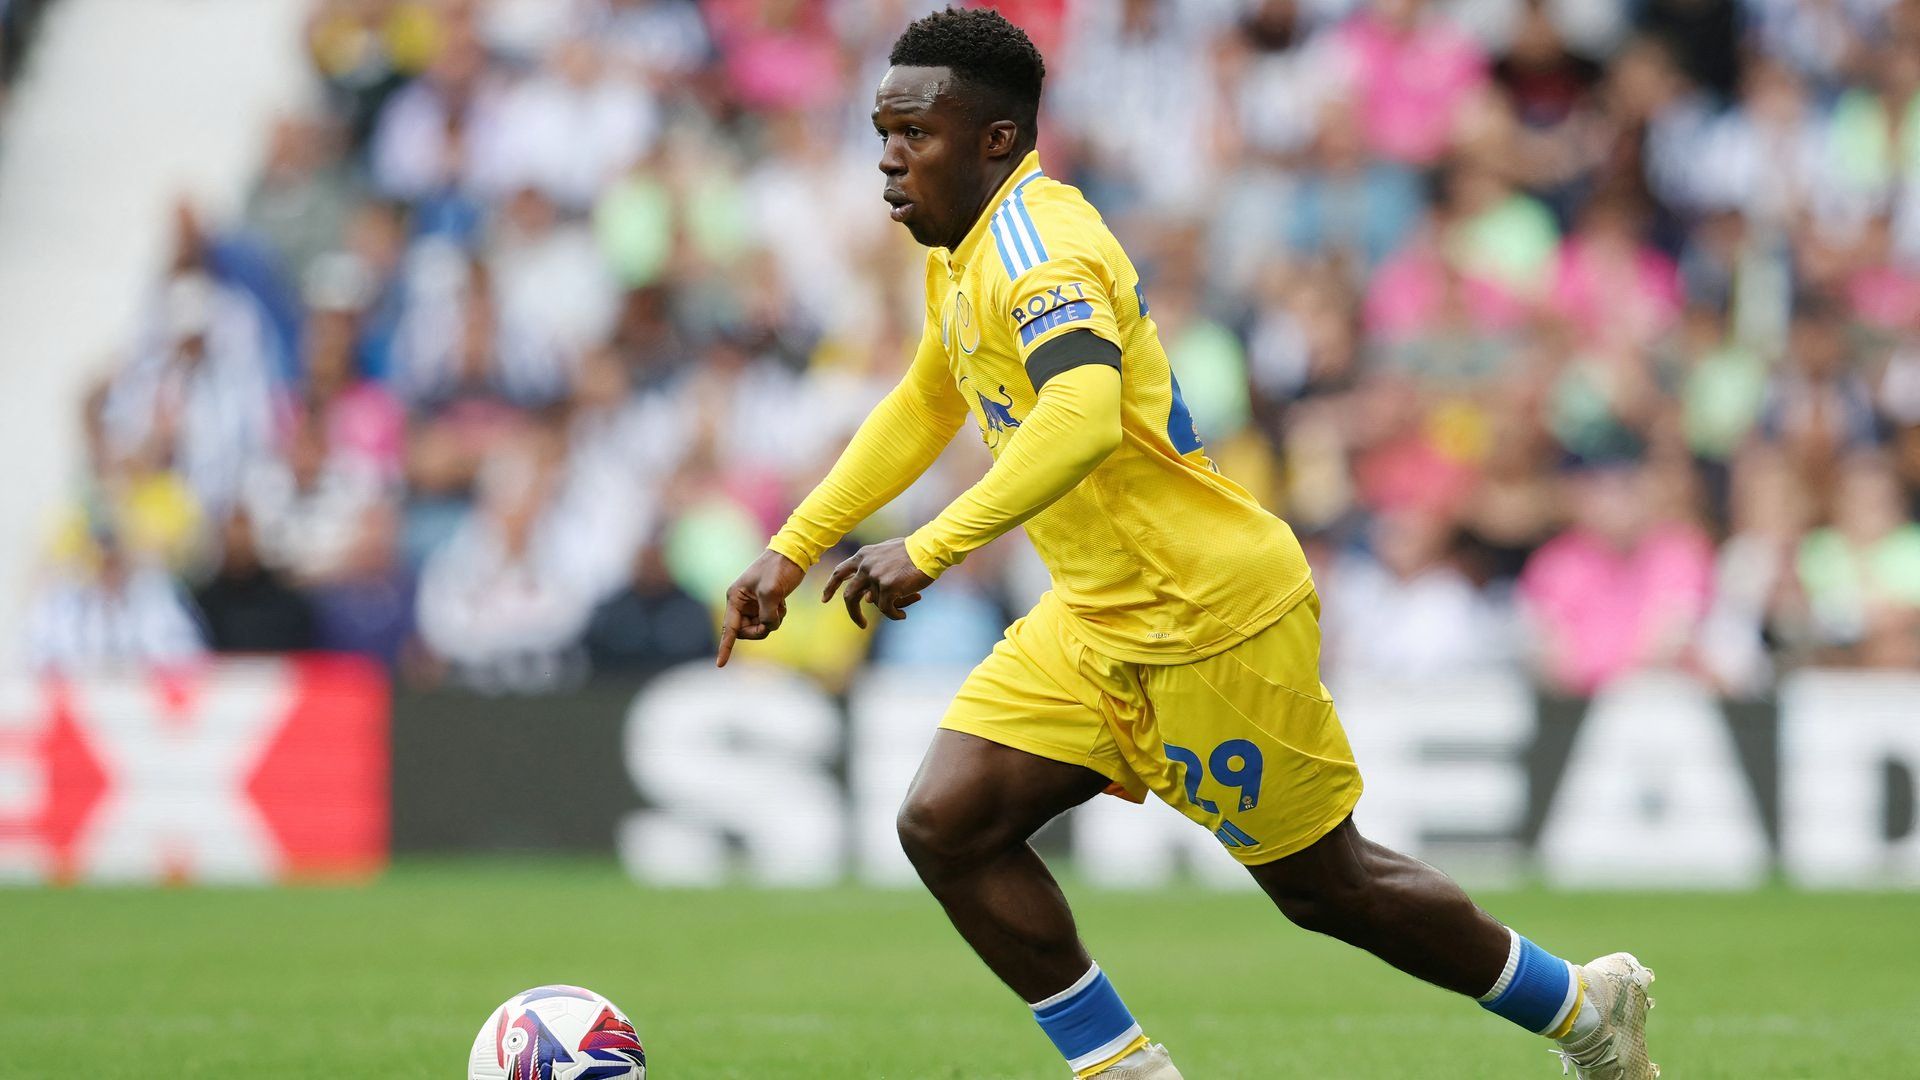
(392, 981)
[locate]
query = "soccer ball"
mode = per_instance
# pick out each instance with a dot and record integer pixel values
(557, 1033)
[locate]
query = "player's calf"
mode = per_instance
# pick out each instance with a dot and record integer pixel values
(965, 825)
(995, 889)
(1415, 918)
(1395, 907)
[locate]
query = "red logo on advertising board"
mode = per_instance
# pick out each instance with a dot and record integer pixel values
(242, 770)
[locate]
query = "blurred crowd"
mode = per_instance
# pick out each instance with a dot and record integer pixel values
(1572, 336)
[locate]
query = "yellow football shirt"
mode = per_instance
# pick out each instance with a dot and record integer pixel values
(1158, 557)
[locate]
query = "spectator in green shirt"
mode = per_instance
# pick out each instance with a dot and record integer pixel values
(1862, 573)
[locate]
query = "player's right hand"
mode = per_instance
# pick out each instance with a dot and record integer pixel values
(757, 600)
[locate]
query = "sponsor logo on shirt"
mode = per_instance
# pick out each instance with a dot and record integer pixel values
(1076, 311)
(1055, 297)
(997, 415)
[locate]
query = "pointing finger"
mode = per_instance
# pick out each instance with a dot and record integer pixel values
(729, 630)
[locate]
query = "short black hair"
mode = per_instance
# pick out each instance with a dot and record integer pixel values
(983, 50)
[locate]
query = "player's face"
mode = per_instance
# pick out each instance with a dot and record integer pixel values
(934, 154)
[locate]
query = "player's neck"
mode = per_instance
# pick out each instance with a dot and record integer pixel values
(995, 179)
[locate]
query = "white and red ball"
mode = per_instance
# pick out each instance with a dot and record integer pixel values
(557, 1033)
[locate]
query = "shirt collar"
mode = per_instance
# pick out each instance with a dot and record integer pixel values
(976, 236)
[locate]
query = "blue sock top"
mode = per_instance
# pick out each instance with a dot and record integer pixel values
(1088, 1022)
(1542, 989)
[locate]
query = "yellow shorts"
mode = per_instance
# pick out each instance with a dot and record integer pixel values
(1245, 742)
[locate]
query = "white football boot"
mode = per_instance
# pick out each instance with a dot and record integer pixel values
(1152, 1062)
(1617, 1049)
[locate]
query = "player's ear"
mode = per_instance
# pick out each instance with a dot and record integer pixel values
(1002, 135)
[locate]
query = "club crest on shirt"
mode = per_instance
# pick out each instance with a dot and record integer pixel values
(959, 325)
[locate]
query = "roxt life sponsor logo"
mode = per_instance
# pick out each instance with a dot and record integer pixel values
(1056, 306)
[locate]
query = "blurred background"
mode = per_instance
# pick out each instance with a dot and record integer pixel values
(462, 351)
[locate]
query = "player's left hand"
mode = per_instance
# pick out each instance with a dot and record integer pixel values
(882, 573)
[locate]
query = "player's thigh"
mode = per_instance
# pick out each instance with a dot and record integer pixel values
(1253, 747)
(1031, 695)
(974, 797)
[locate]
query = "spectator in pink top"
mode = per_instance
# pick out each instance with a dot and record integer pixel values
(1412, 73)
(364, 424)
(1621, 589)
(1610, 284)
(1420, 290)
(1883, 293)
(777, 54)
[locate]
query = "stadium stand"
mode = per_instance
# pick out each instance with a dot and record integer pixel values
(1572, 336)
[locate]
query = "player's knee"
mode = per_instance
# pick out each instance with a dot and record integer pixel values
(1320, 912)
(941, 837)
(1343, 907)
(926, 831)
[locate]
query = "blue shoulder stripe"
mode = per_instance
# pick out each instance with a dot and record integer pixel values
(1026, 220)
(1014, 232)
(994, 226)
(1019, 237)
